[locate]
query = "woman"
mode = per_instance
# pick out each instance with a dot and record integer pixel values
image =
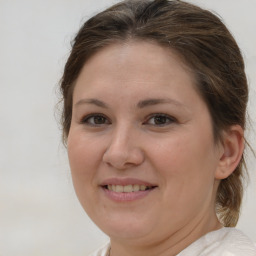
(155, 97)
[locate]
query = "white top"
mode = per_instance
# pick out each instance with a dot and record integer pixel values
(223, 242)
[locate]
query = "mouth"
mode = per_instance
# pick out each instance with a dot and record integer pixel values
(127, 188)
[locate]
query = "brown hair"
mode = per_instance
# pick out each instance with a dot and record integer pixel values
(202, 41)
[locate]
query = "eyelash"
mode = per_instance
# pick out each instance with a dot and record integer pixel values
(85, 120)
(169, 119)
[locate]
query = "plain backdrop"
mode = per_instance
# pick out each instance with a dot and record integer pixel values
(39, 212)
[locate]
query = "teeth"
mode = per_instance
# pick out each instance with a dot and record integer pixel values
(136, 188)
(119, 189)
(143, 187)
(127, 188)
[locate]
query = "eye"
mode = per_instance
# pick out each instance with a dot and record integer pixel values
(160, 120)
(95, 120)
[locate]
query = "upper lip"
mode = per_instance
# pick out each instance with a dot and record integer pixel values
(126, 181)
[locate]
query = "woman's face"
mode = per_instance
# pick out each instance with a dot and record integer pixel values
(141, 147)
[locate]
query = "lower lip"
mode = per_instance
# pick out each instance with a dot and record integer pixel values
(128, 196)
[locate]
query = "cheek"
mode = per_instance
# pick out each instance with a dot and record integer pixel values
(83, 152)
(83, 157)
(187, 179)
(187, 153)
(187, 164)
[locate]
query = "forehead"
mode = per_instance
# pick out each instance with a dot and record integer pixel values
(140, 63)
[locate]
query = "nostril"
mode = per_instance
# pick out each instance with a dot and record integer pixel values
(122, 158)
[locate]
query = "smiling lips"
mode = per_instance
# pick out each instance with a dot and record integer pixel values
(129, 189)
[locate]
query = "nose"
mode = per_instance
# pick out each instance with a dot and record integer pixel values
(124, 149)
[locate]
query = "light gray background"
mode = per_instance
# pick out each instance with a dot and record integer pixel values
(39, 213)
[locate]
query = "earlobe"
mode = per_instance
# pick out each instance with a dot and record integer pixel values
(232, 151)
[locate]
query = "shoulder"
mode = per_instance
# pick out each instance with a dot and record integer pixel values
(223, 242)
(232, 242)
(103, 251)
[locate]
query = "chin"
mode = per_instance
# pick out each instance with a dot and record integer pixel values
(123, 227)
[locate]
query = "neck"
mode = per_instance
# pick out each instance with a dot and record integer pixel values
(169, 246)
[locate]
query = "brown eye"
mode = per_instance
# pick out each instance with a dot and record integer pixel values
(95, 120)
(160, 120)
(98, 120)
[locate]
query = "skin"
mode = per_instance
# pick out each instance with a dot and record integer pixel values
(177, 154)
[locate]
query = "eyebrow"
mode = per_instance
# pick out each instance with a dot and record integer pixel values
(151, 102)
(96, 102)
(141, 104)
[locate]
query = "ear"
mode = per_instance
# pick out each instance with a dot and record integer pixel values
(232, 150)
